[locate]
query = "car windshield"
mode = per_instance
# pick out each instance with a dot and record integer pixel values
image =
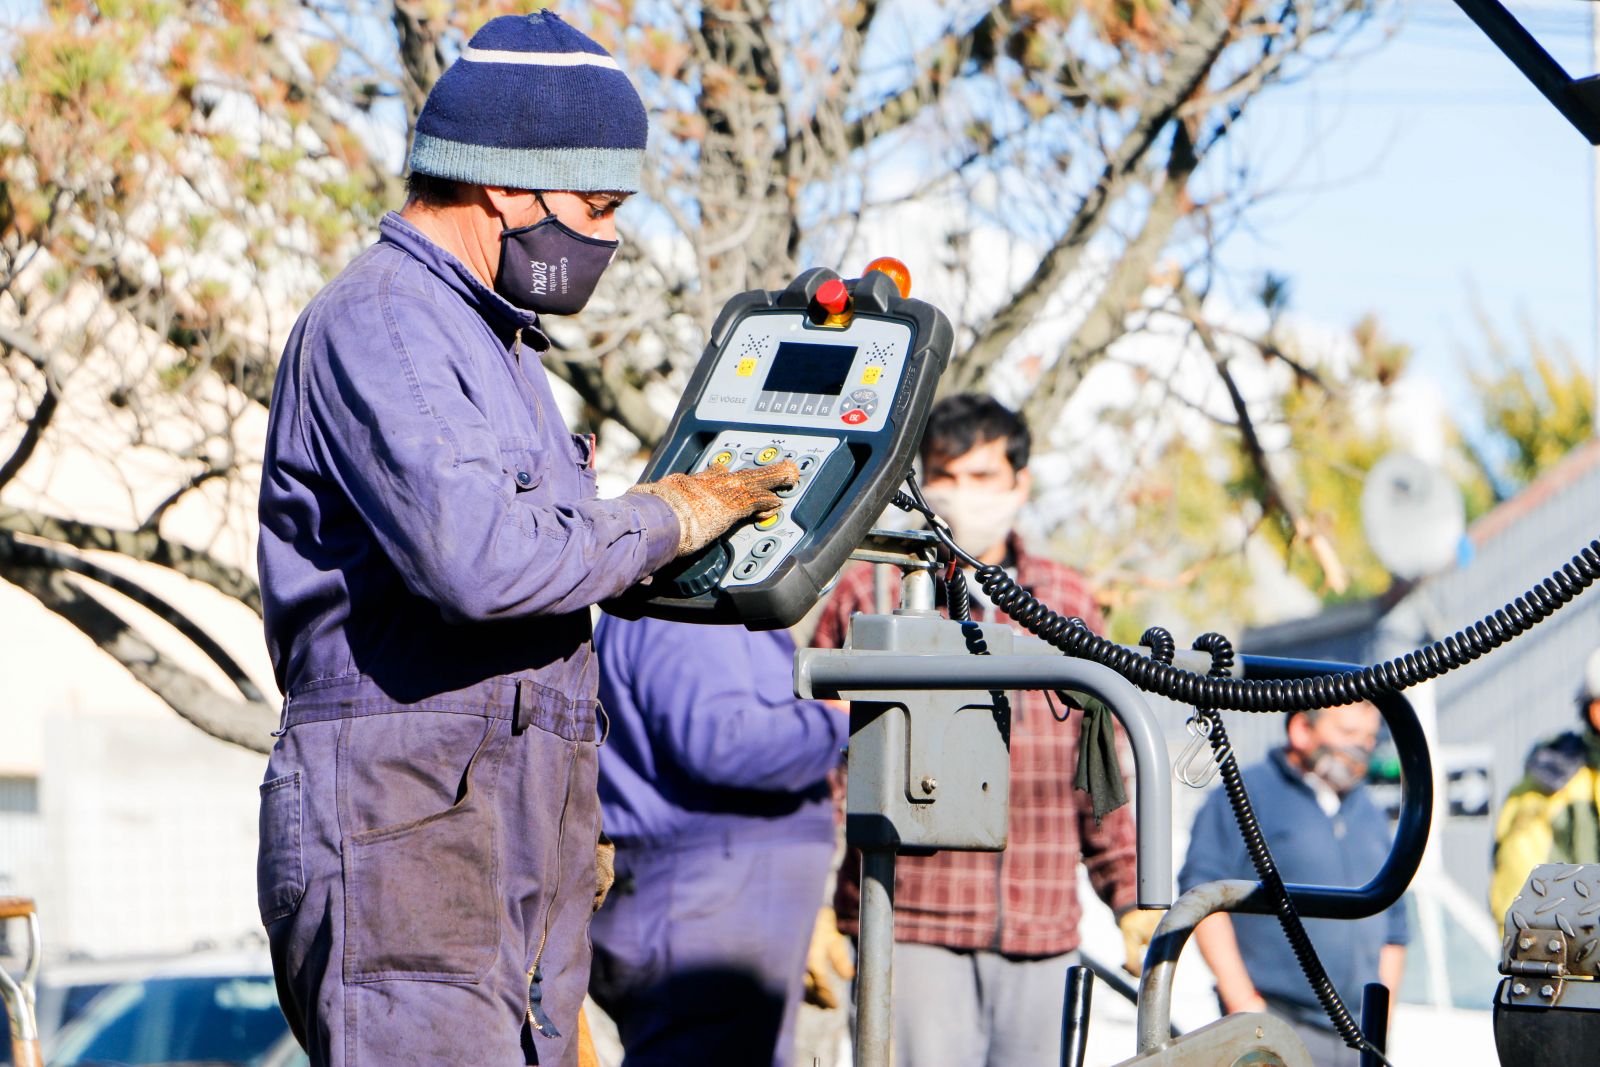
(223, 1019)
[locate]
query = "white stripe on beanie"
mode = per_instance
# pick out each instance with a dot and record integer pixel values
(538, 59)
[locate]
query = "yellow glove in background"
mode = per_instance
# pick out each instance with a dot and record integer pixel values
(605, 869)
(1138, 928)
(828, 955)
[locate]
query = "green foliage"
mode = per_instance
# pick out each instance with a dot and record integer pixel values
(1536, 406)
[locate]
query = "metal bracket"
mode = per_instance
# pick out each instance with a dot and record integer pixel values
(906, 549)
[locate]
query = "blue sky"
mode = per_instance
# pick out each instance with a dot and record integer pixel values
(1423, 172)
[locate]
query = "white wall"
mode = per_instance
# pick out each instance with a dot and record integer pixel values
(145, 838)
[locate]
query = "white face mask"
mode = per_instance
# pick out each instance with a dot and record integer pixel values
(979, 519)
(1343, 767)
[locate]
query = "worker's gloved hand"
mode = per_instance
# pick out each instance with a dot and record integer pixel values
(605, 869)
(712, 501)
(1138, 928)
(828, 955)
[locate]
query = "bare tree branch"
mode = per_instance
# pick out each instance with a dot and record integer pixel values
(145, 545)
(152, 522)
(37, 423)
(1191, 62)
(1108, 318)
(248, 724)
(1273, 498)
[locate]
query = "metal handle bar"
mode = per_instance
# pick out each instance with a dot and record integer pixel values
(18, 994)
(1312, 901)
(1416, 806)
(828, 672)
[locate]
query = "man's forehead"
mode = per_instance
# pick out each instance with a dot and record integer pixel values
(1363, 716)
(984, 455)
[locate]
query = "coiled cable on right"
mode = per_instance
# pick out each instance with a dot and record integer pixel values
(1070, 635)
(1221, 651)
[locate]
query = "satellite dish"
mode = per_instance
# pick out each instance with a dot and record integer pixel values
(1412, 515)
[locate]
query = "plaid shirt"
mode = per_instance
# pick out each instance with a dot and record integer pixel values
(1023, 901)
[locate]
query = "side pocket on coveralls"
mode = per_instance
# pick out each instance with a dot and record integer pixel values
(280, 870)
(421, 897)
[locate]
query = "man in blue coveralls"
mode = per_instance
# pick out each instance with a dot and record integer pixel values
(430, 547)
(1323, 829)
(714, 786)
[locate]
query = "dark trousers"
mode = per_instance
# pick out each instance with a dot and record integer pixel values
(699, 954)
(413, 866)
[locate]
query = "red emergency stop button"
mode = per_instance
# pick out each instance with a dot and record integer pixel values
(832, 296)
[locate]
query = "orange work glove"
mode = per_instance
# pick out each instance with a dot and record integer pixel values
(828, 955)
(712, 501)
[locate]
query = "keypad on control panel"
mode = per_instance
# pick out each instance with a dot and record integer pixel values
(757, 547)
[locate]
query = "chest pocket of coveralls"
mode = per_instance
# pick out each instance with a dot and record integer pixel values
(524, 465)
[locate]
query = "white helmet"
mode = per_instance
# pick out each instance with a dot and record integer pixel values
(1590, 690)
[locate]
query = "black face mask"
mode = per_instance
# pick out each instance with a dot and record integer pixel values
(549, 268)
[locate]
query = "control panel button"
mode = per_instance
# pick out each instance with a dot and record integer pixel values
(765, 547)
(766, 455)
(747, 569)
(723, 458)
(854, 417)
(871, 375)
(769, 522)
(806, 462)
(747, 367)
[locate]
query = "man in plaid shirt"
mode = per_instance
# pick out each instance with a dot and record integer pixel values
(983, 939)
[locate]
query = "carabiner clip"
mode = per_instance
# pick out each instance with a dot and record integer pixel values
(1186, 770)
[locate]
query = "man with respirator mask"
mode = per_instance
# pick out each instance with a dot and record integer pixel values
(431, 544)
(1324, 829)
(983, 939)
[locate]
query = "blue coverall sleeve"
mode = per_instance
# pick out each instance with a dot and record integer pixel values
(388, 411)
(709, 706)
(1215, 847)
(1399, 926)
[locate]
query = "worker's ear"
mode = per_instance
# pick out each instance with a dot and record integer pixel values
(1301, 737)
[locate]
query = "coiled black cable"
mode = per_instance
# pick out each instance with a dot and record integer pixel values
(1255, 842)
(1070, 635)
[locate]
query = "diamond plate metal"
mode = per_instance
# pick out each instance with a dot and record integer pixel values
(1552, 932)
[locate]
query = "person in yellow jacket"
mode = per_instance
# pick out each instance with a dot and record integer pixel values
(1552, 815)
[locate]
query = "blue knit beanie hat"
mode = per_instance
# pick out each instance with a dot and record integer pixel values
(533, 104)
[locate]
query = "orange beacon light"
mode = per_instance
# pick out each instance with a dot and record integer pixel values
(894, 269)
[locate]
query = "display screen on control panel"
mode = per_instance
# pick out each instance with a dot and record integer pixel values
(801, 367)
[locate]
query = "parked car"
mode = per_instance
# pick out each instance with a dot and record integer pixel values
(219, 1009)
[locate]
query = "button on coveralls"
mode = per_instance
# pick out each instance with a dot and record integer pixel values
(430, 546)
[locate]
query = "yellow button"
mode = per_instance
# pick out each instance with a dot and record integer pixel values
(871, 375)
(745, 368)
(767, 455)
(769, 522)
(723, 458)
